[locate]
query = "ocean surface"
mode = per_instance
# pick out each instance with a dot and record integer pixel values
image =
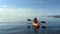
(52, 26)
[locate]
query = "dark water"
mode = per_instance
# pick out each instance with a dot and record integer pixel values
(24, 30)
(52, 27)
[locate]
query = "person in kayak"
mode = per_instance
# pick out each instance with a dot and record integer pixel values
(35, 24)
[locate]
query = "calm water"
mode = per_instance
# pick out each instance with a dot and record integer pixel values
(52, 26)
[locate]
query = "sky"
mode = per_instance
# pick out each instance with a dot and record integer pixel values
(17, 8)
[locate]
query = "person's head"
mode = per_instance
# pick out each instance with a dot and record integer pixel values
(35, 20)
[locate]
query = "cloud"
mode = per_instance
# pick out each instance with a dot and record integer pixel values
(16, 11)
(16, 14)
(25, 11)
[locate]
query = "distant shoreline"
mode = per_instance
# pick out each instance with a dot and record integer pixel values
(56, 16)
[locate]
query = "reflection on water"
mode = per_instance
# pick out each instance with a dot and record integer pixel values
(50, 21)
(52, 26)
